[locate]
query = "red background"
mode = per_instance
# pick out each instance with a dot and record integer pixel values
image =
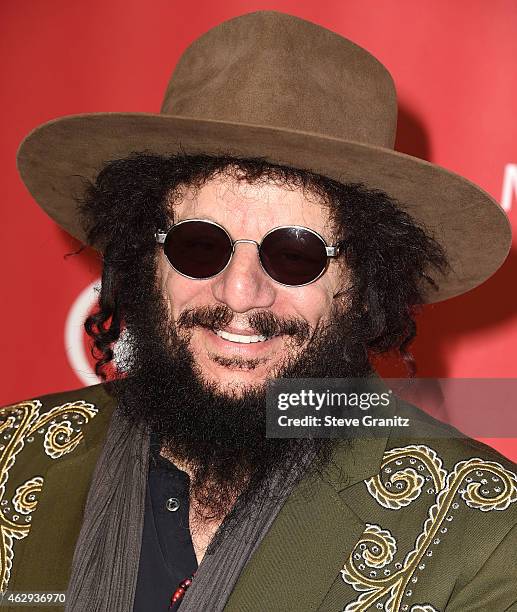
(454, 67)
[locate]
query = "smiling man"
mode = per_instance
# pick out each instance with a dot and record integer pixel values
(260, 227)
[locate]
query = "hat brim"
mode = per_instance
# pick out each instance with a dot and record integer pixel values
(56, 157)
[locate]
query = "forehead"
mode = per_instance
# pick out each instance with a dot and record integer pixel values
(252, 207)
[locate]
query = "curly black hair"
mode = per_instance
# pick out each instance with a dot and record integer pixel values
(389, 254)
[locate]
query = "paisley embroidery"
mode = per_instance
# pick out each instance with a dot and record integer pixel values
(379, 554)
(406, 474)
(60, 431)
(24, 499)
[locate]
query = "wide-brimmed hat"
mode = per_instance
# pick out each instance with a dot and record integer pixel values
(271, 85)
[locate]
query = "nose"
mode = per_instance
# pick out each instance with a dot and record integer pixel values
(244, 285)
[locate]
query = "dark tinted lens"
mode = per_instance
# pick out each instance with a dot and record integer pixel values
(197, 248)
(293, 256)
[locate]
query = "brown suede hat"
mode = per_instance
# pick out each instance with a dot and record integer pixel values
(271, 85)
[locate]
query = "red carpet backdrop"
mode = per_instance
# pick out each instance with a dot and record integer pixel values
(454, 68)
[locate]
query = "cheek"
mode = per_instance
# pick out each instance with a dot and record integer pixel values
(313, 302)
(179, 292)
(316, 301)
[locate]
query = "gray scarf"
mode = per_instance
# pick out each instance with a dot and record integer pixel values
(106, 558)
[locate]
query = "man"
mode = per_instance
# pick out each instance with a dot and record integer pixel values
(261, 226)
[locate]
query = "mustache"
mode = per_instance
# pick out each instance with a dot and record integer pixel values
(263, 323)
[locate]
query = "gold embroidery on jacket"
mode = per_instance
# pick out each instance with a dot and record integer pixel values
(406, 474)
(20, 424)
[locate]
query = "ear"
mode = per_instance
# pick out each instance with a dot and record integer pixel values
(122, 350)
(340, 294)
(343, 287)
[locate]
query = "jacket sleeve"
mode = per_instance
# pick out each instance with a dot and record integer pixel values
(494, 587)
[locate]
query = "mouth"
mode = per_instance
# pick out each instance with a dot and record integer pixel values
(239, 351)
(241, 339)
(240, 343)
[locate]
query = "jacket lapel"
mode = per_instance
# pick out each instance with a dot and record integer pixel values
(46, 557)
(314, 533)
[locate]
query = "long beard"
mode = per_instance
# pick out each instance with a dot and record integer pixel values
(220, 434)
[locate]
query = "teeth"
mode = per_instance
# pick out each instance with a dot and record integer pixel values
(241, 339)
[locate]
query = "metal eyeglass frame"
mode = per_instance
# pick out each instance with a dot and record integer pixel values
(331, 251)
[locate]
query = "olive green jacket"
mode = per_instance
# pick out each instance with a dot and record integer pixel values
(394, 524)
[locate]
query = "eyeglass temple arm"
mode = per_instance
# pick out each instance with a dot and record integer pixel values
(160, 237)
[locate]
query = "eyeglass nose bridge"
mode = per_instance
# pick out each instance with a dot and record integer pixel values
(257, 244)
(245, 240)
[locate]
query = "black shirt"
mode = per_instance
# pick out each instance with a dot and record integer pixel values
(167, 556)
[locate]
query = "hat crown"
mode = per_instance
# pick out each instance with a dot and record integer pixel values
(275, 70)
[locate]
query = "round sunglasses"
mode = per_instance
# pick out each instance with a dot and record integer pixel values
(291, 255)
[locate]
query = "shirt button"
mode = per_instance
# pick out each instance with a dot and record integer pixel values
(173, 503)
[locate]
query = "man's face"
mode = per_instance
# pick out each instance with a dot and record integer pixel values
(206, 396)
(249, 211)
